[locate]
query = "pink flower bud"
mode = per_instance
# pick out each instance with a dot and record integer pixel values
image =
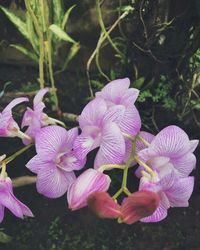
(103, 205)
(139, 205)
(87, 183)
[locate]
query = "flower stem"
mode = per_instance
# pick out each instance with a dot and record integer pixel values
(145, 166)
(143, 140)
(12, 157)
(117, 193)
(54, 121)
(3, 170)
(131, 158)
(110, 166)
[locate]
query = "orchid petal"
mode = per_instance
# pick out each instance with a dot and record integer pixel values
(71, 162)
(147, 136)
(38, 162)
(184, 164)
(93, 113)
(52, 182)
(180, 192)
(39, 96)
(112, 148)
(113, 91)
(130, 96)
(70, 138)
(49, 140)
(114, 114)
(193, 145)
(160, 213)
(27, 118)
(2, 208)
(171, 142)
(139, 205)
(87, 183)
(131, 122)
(102, 204)
(13, 103)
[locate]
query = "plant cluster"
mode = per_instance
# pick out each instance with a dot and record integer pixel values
(44, 28)
(110, 123)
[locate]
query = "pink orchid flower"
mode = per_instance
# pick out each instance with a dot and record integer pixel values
(173, 191)
(8, 126)
(99, 129)
(88, 182)
(8, 200)
(35, 118)
(55, 160)
(171, 145)
(118, 93)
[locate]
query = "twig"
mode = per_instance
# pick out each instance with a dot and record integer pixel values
(23, 181)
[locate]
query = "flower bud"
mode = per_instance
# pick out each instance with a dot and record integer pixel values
(103, 205)
(87, 183)
(139, 205)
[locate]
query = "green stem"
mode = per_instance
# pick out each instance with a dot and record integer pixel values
(54, 121)
(110, 166)
(145, 166)
(12, 157)
(102, 38)
(117, 193)
(143, 140)
(104, 29)
(131, 158)
(50, 66)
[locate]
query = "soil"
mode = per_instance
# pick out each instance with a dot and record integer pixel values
(54, 227)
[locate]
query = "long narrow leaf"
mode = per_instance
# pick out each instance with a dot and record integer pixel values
(32, 35)
(26, 52)
(61, 33)
(21, 25)
(72, 53)
(58, 12)
(66, 16)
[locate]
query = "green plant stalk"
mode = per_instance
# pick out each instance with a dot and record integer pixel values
(102, 38)
(13, 156)
(41, 43)
(50, 66)
(143, 140)
(131, 158)
(110, 166)
(48, 44)
(104, 29)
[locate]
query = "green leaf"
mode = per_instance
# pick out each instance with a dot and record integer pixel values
(4, 238)
(61, 33)
(66, 16)
(72, 53)
(21, 26)
(26, 52)
(138, 83)
(58, 12)
(32, 35)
